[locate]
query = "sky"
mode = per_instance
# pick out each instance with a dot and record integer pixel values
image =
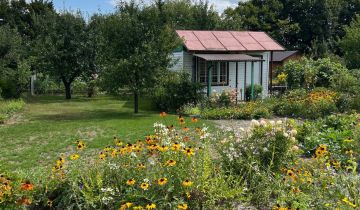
(106, 6)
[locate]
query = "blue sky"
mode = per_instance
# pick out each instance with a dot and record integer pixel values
(106, 6)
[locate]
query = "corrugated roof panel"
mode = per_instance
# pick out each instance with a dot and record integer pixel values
(194, 45)
(187, 35)
(209, 41)
(271, 46)
(227, 57)
(260, 37)
(228, 41)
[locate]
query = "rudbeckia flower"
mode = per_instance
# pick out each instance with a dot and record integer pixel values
(102, 156)
(185, 129)
(126, 206)
(187, 183)
(141, 165)
(151, 206)
(186, 138)
(163, 148)
(138, 208)
(163, 114)
(194, 120)
(162, 181)
(175, 146)
(27, 186)
(144, 186)
(130, 182)
(170, 163)
(188, 151)
(80, 145)
(183, 206)
(74, 157)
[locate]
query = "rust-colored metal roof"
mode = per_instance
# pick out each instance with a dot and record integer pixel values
(227, 57)
(228, 41)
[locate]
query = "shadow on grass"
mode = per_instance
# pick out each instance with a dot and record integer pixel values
(96, 115)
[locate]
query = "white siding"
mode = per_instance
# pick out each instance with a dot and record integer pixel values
(184, 62)
(178, 61)
(188, 62)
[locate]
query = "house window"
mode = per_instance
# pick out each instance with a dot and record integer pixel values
(219, 73)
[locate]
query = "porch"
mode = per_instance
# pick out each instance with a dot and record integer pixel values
(229, 71)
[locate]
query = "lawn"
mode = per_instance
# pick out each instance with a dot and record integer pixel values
(50, 126)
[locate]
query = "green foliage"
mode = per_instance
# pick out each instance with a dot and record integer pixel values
(137, 45)
(349, 44)
(175, 90)
(256, 154)
(9, 108)
(302, 104)
(244, 111)
(14, 68)
(258, 89)
(225, 98)
(64, 49)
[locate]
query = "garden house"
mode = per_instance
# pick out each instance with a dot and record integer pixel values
(227, 60)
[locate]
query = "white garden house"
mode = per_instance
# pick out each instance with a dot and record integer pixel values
(227, 60)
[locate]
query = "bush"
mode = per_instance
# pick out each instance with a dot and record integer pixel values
(190, 109)
(258, 153)
(245, 111)
(226, 98)
(317, 103)
(258, 89)
(175, 90)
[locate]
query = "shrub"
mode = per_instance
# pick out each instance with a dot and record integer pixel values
(176, 90)
(250, 110)
(190, 109)
(226, 98)
(255, 154)
(258, 89)
(317, 103)
(308, 73)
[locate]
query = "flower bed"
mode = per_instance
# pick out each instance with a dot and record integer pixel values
(272, 165)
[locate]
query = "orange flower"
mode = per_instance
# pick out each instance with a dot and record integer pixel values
(24, 201)
(194, 120)
(186, 138)
(27, 186)
(170, 163)
(163, 114)
(181, 121)
(186, 129)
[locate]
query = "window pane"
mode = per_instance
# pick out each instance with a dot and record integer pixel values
(202, 71)
(223, 72)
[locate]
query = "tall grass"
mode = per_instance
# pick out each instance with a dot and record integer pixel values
(9, 108)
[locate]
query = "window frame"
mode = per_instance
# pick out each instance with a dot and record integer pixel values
(217, 70)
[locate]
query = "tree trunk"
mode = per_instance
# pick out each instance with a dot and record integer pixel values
(67, 90)
(136, 102)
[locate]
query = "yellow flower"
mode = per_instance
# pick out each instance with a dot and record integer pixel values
(107, 149)
(181, 120)
(130, 182)
(175, 147)
(114, 153)
(141, 165)
(189, 151)
(152, 147)
(187, 183)
(163, 148)
(183, 206)
(151, 206)
(144, 186)
(50, 203)
(102, 156)
(126, 205)
(188, 195)
(138, 208)
(170, 163)
(80, 145)
(162, 181)
(74, 157)
(118, 142)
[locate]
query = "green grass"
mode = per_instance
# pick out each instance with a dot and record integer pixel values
(50, 126)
